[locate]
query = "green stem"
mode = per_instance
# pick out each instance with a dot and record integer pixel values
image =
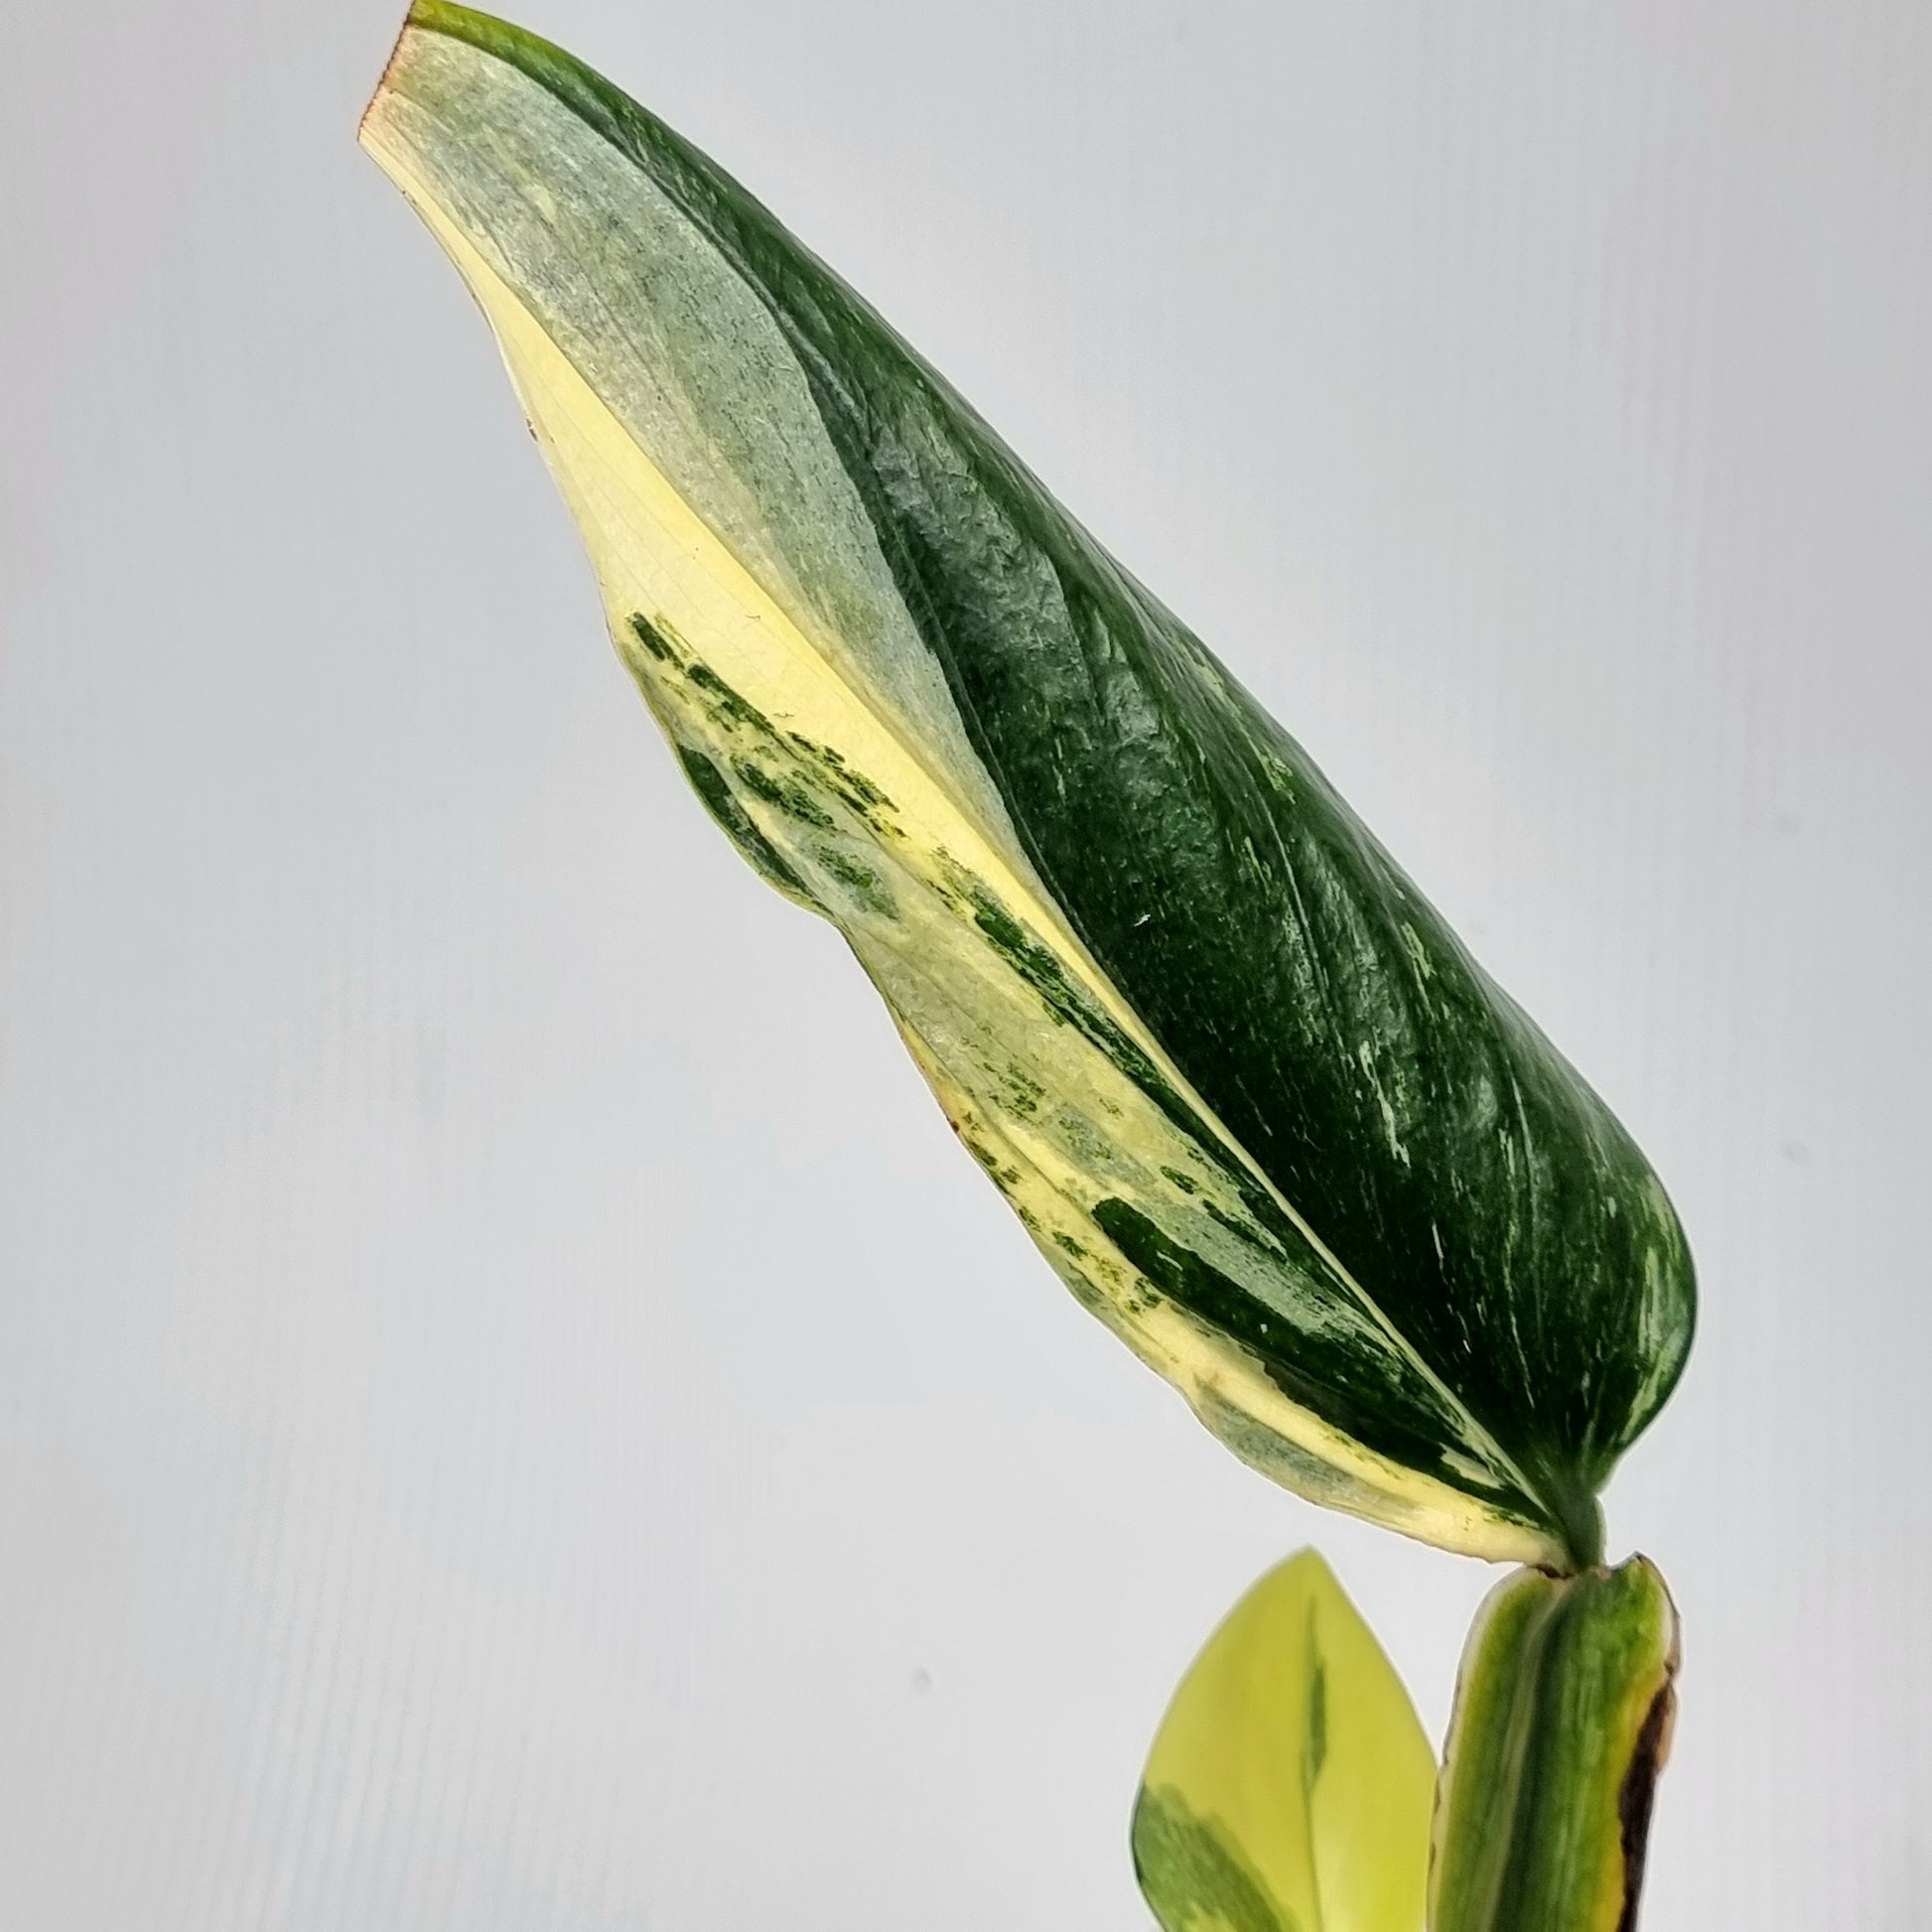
(1579, 1518)
(1562, 1720)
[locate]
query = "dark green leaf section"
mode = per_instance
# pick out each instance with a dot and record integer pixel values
(1194, 1877)
(1413, 1119)
(1561, 1723)
(1334, 1382)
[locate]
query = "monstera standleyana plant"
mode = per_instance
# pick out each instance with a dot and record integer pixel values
(1256, 1106)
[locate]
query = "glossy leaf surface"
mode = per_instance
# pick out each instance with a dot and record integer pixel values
(1562, 1719)
(1289, 1787)
(1253, 1100)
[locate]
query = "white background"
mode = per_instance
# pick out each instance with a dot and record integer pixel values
(513, 1411)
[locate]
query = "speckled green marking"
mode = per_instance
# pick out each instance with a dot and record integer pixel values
(710, 785)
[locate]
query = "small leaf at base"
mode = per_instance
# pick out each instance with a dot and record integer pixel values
(1289, 1788)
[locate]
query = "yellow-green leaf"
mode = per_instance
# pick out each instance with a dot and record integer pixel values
(1288, 1789)
(1251, 1098)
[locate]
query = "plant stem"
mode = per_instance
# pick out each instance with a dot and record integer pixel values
(1562, 1721)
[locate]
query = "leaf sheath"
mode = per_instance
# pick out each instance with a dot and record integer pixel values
(1563, 1719)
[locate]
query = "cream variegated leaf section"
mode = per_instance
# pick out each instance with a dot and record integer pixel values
(810, 725)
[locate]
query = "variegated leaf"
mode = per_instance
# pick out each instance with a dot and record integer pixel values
(1253, 1100)
(1289, 1787)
